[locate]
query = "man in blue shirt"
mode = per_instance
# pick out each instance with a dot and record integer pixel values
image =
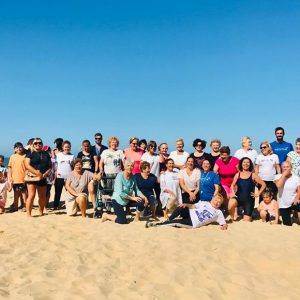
(280, 147)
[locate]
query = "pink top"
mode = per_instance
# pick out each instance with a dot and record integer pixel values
(136, 156)
(271, 207)
(227, 170)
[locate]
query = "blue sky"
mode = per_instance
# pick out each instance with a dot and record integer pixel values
(153, 69)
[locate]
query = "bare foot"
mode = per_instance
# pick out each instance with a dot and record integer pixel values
(104, 217)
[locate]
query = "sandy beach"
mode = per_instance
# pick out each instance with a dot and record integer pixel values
(61, 257)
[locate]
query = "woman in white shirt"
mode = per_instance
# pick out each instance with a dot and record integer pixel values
(189, 179)
(170, 195)
(65, 164)
(267, 165)
(152, 158)
(246, 150)
(111, 163)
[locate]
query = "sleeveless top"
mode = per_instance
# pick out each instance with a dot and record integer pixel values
(245, 187)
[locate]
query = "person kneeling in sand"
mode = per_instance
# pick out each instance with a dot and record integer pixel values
(79, 183)
(268, 208)
(126, 194)
(196, 215)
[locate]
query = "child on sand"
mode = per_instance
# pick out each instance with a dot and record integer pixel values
(4, 187)
(268, 208)
(196, 215)
(16, 174)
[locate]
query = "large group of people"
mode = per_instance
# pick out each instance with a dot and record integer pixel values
(187, 189)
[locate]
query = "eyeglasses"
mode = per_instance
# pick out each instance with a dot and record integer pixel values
(263, 147)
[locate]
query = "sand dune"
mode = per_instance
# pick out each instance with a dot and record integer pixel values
(60, 257)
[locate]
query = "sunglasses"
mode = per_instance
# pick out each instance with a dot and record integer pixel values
(263, 147)
(134, 143)
(38, 143)
(199, 145)
(98, 138)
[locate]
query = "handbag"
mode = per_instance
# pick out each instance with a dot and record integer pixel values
(30, 177)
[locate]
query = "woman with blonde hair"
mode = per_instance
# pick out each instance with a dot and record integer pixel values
(246, 150)
(267, 166)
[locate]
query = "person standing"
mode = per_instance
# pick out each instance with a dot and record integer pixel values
(98, 148)
(134, 153)
(199, 155)
(179, 156)
(215, 145)
(65, 164)
(281, 147)
(246, 150)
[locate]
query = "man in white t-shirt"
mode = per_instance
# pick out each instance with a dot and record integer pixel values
(179, 156)
(288, 193)
(196, 215)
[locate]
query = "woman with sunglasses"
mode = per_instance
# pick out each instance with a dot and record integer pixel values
(267, 166)
(199, 155)
(38, 163)
(134, 153)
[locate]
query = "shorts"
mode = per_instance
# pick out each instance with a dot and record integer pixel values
(42, 182)
(19, 187)
(72, 207)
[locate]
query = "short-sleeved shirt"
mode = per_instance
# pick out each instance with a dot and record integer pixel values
(227, 170)
(88, 162)
(204, 214)
(79, 183)
(207, 185)
(288, 191)
(136, 156)
(17, 165)
(112, 161)
(212, 159)
(267, 166)
(190, 181)
(39, 160)
(251, 153)
(281, 149)
(146, 186)
(295, 161)
(270, 207)
(179, 159)
(64, 164)
(198, 160)
(153, 160)
(98, 151)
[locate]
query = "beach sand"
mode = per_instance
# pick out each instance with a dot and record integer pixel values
(61, 257)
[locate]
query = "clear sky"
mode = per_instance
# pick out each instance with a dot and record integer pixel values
(153, 69)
